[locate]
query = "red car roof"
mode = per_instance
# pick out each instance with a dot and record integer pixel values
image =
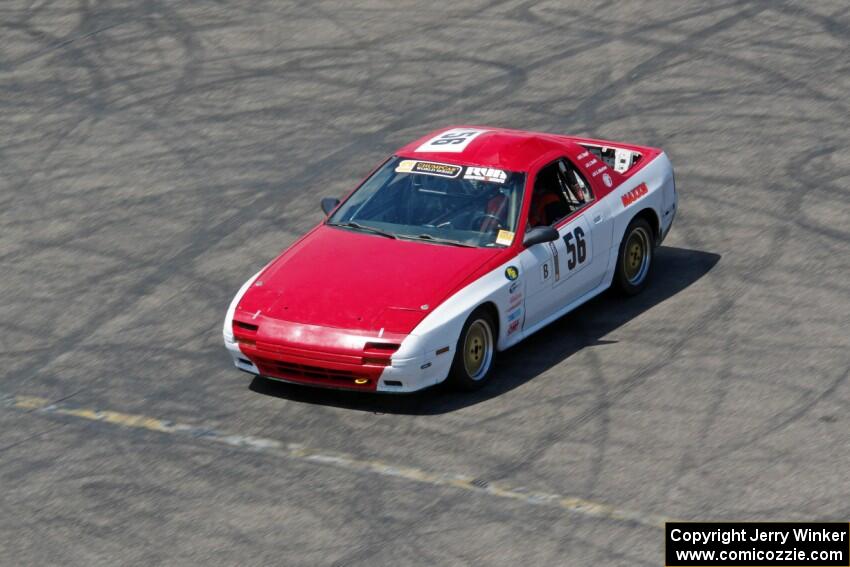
(514, 150)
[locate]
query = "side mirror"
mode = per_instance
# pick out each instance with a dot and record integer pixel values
(329, 204)
(540, 234)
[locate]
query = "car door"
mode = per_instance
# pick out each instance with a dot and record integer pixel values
(546, 265)
(581, 234)
(562, 271)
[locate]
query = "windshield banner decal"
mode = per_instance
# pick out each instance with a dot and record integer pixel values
(485, 174)
(428, 168)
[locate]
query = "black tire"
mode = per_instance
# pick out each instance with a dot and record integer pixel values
(634, 262)
(475, 352)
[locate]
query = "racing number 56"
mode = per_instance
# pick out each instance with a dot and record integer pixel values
(577, 251)
(453, 138)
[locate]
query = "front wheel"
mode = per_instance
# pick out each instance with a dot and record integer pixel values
(635, 258)
(476, 349)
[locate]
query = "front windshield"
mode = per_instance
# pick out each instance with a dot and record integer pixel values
(437, 202)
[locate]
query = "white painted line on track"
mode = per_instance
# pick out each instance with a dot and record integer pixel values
(572, 504)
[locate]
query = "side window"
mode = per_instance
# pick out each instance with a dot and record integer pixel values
(575, 187)
(548, 202)
(559, 190)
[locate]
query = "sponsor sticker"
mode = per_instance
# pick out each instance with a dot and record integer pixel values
(606, 179)
(512, 273)
(515, 300)
(428, 168)
(454, 140)
(485, 174)
(634, 194)
(513, 327)
(405, 166)
(513, 287)
(555, 260)
(504, 237)
(515, 314)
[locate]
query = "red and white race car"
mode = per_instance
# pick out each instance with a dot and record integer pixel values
(460, 245)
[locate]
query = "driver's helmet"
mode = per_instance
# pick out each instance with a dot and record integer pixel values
(575, 185)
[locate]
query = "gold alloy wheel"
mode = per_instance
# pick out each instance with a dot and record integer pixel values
(478, 349)
(637, 255)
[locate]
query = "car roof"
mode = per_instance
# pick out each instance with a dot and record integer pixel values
(514, 150)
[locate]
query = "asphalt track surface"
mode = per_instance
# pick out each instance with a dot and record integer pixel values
(155, 154)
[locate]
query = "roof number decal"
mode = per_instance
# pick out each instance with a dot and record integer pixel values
(453, 141)
(428, 168)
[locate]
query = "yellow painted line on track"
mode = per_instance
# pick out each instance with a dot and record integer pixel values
(300, 452)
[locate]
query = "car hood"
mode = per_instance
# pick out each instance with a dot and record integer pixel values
(339, 278)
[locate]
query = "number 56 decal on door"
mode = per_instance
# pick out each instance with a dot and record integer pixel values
(576, 248)
(575, 256)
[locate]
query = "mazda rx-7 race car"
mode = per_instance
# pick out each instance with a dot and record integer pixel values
(459, 245)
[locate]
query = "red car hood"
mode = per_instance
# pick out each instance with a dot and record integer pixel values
(349, 280)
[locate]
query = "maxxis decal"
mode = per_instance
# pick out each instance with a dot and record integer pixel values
(634, 195)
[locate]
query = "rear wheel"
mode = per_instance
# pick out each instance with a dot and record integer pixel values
(635, 258)
(475, 351)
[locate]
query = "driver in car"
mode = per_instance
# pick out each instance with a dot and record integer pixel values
(495, 214)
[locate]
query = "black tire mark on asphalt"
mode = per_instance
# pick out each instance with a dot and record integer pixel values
(734, 279)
